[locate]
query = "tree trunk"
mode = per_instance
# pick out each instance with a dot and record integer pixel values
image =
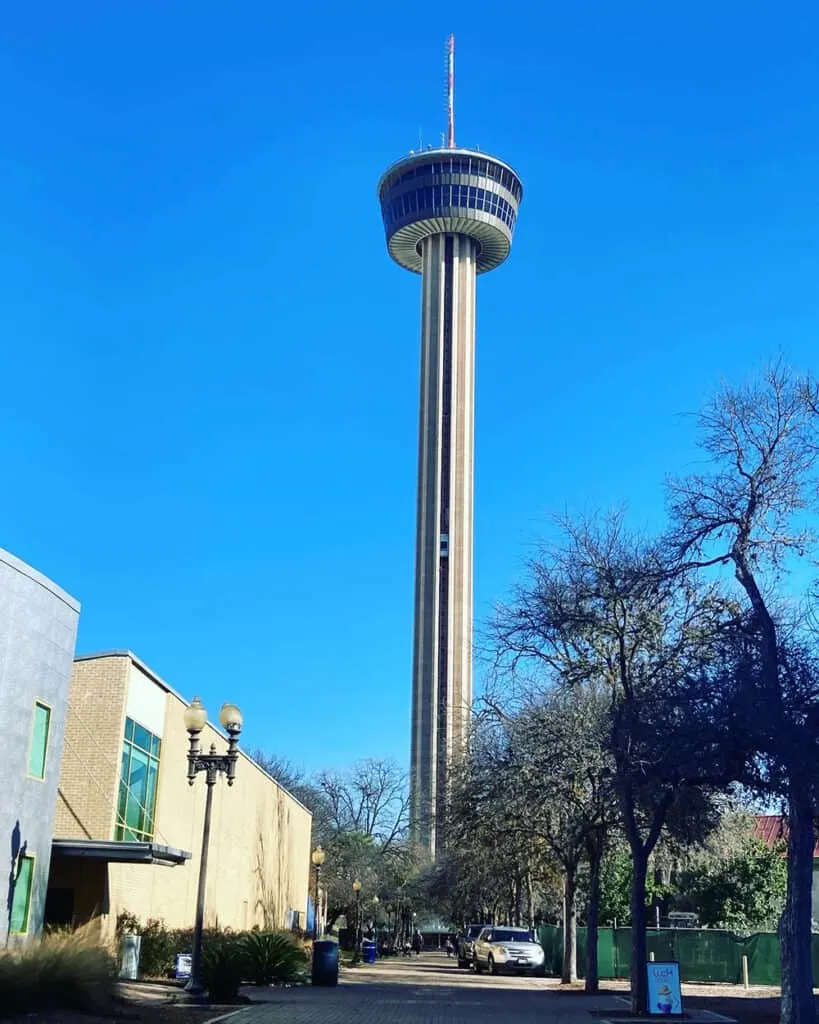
(795, 928)
(530, 901)
(595, 855)
(519, 912)
(570, 926)
(639, 981)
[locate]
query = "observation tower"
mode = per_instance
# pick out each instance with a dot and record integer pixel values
(449, 215)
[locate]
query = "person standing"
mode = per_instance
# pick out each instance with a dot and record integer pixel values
(417, 942)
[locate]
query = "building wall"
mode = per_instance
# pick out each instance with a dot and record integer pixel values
(93, 745)
(38, 628)
(258, 865)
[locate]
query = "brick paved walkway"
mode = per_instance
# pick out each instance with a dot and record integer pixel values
(428, 990)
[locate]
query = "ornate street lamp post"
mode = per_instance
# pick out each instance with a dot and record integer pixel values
(388, 908)
(357, 891)
(318, 858)
(212, 764)
(376, 901)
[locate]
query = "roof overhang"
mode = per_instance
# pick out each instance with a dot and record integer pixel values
(119, 852)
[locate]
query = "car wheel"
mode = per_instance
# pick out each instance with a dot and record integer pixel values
(493, 969)
(477, 965)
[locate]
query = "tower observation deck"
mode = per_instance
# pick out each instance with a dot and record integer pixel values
(449, 214)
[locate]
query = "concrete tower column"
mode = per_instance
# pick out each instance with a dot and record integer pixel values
(442, 661)
(449, 214)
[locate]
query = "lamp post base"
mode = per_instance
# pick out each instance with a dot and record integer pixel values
(194, 992)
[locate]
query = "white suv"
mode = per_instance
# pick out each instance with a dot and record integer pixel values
(507, 949)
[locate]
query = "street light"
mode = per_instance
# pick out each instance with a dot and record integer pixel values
(357, 891)
(212, 764)
(390, 926)
(318, 858)
(376, 901)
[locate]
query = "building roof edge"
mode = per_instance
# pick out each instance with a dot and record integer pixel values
(175, 693)
(37, 577)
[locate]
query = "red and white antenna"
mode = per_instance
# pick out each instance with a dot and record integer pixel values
(451, 92)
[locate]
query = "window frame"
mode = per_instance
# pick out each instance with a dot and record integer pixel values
(123, 832)
(39, 703)
(32, 859)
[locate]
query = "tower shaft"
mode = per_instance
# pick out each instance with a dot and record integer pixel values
(449, 214)
(442, 661)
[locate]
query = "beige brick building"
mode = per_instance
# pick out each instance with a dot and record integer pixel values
(128, 830)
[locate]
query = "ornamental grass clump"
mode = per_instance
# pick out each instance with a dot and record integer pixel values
(58, 972)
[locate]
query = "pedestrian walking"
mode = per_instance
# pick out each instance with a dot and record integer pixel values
(417, 942)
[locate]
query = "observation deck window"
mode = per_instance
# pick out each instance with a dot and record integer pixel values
(463, 165)
(432, 200)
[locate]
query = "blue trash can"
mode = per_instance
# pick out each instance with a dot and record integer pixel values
(368, 951)
(325, 962)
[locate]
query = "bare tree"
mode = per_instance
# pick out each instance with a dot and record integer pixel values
(360, 818)
(370, 798)
(747, 512)
(600, 609)
(488, 830)
(561, 772)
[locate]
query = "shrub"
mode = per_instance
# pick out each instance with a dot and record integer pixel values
(58, 972)
(157, 949)
(223, 967)
(228, 958)
(159, 945)
(274, 958)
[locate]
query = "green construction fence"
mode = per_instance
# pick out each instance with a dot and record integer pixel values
(703, 955)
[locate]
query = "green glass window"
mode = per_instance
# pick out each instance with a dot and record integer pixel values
(21, 897)
(136, 804)
(39, 741)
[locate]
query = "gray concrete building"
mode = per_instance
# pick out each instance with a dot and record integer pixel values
(38, 629)
(449, 215)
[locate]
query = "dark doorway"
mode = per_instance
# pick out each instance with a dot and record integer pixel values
(59, 908)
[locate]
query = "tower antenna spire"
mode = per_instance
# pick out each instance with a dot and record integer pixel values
(451, 92)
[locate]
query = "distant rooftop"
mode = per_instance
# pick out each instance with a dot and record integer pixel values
(773, 828)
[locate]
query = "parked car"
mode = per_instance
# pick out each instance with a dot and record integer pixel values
(466, 942)
(499, 949)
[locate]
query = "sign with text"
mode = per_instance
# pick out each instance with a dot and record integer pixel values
(664, 991)
(183, 965)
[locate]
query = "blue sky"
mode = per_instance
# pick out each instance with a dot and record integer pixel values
(210, 364)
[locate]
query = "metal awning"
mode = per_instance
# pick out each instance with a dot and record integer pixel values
(119, 852)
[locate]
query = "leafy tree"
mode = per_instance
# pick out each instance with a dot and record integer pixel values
(743, 891)
(616, 883)
(616, 880)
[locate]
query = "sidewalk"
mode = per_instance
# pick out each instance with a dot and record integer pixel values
(426, 990)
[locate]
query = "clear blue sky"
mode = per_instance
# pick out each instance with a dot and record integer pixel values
(210, 365)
